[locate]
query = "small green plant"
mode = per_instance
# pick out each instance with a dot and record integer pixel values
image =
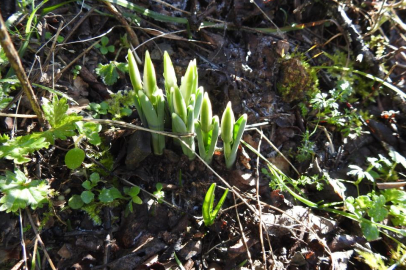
(358, 83)
(119, 105)
(390, 203)
(369, 210)
(48, 36)
(184, 102)
(110, 72)
(76, 71)
(19, 192)
(382, 168)
(92, 199)
(306, 149)
(310, 180)
(74, 157)
(328, 110)
(149, 100)
(375, 204)
(87, 196)
(209, 215)
(3, 59)
(134, 198)
(207, 130)
(63, 125)
(374, 260)
(231, 134)
(159, 193)
(98, 109)
(104, 47)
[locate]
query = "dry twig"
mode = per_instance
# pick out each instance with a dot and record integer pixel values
(16, 64)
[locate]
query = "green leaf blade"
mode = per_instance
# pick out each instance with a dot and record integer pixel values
(74, 158)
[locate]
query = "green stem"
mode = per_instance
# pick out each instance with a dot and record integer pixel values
(354, 217)
(228, 155)
(156, 144)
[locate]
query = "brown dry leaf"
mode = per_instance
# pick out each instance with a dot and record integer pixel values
(248, 139)
(245, 159)
(281, 163)
(80, 88)
(65, 251)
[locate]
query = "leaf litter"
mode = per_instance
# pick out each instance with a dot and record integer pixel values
(269, 77)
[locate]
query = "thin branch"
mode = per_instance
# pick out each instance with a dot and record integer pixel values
(34, 228)
(16, 64)
(22, 241)
(244, 239)
(261, 237)
(131, 126)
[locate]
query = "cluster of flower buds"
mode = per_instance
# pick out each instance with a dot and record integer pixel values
(190, 111)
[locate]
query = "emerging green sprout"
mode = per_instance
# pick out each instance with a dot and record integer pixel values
(184, 102)
(209, 215)
(231, 134)
(207, 130)
(149, 101)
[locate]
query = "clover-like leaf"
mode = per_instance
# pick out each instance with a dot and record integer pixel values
(75, 202)
(377, 210)
(87, 196)
(104, 41)
(109, 195)
(87, 185)
(133, 191)
(105, 196)
(108, 72)
(110, 48)
(103, 50)
(369, 230)
(74, 158)
(95, 178)
(394, 195)
(90, 130)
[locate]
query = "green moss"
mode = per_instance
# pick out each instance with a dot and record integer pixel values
(298, 80)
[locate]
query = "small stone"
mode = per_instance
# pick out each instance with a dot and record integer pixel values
(139, 147)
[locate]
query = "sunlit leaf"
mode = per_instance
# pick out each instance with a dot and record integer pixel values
(19, 192)
(74, 158)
